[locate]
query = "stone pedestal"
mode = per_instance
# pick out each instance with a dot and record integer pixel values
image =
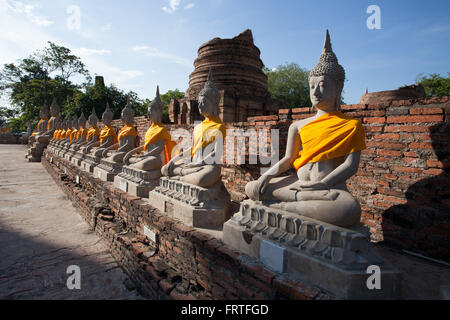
(89, 162)
(331, 257)
(77, 158)
(107, 170)
(35, 150)
(195, 206)
(137, 182)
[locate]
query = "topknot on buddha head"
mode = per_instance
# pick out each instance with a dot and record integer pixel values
(107, 116)
(127, 112)
(93, 119)
(155, 108)
(212, 95)
(82, 120)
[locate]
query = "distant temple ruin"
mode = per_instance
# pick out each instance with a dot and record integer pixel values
(238, 74)
(415, 91)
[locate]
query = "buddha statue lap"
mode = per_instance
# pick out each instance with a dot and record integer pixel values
(112, 157)
(308, 224)
(191, 188)
(93, 134)
(79, 141)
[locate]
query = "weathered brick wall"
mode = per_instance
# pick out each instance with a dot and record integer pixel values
(184, 263)
(403, 181)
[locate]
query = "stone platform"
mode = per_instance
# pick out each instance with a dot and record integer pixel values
(193, 205)
(137, 182)
(331, 257)
(107, 170)
(89, 163)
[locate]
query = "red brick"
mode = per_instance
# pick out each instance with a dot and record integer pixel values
(231, 255)
(353, 107)
(410, 154)
(284, 111)
(391, 153)
(426, 111)
(301, 110)
(295, 290)
(300, 116)
(406, 169)
(387, 136)
(434, 172)
(407, 128)
(390, 176)
(375, 120)
(414, 119)
(421, 145)
(152, 272)
(436, 164)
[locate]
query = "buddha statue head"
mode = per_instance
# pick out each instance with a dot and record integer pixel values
(43, 113)
(93, 118)
(107, 116)
(127, 115)
(209, 98)
(326, 80)
(155, 108)
(74, 123)
(54, 108)
(82, 121)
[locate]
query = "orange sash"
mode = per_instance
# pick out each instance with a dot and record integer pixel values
(330, 136)
(106, 132)
(93, 131)
(127, 131)
(157, 132)
(206, 133)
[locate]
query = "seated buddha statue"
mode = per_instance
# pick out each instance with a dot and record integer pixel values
(62, 133)
(126, 137)
(42, 124)
(108, 136)
(324, 149)
(71, 132)
(80, 135)
(51, 124)
(200, 165)
(158, 145)
(93, 134)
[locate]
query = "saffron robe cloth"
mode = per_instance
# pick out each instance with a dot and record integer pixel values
(73, 135)
(158, 132)
(5, 130)
(330, 136)
(207, 131)
(62, 135)
(93, 131)
(37, 127)
(81, 132)
(68, 133)
(127, 131)
(106, 132)
(56, 134)
(48, 123)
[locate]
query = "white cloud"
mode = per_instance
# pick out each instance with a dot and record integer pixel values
(89, 52)
(155, 52)
(173, 6)
(21, 8)
(189, 5)
(106, 27)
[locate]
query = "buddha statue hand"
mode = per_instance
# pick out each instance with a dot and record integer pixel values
(310, 185)
(256, 189)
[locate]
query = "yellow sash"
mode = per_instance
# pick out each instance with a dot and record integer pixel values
(68, 133)
(157, 132)
(127, 131)
(5, 130)
(206, 133)
(62, 135)
(106, 132)
(48, 123)
(73, 135)
(81, 132)
(93, 131)
(55, 134)
(330, 136)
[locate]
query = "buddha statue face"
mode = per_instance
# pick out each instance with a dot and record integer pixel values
(209, 98)
(107, 116)
(43, 113)
(155, 108)
(82, 121)
(93, 119)
(127, 115)
(54, 108)
(325, 93)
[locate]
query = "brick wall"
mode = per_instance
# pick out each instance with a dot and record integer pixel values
(183, 263)
(403, 181)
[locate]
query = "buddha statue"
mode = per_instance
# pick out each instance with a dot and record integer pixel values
(126, 137)
(108, 136)
(191, 188)
(112, 161)
(140, 173)
(324, 149)
(93, 134)
(70, 132)
(51, 124)
(201, 165)
(80, 135)
(42, 124)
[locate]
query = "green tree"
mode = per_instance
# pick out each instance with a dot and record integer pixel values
(166, 98)
(434, 84)
(288, 84)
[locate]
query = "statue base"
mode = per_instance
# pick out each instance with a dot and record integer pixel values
(195, 206)
(89, 163)
(333, 258)
(107, 170)
(35, 151)
(137, 182)
(77, 158)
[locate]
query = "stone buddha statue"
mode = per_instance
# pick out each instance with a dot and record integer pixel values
(71, 132)
(80, 135)
(201, 165)
(324, 149)
(191, 189)
(141, 173)
(42, 124)
(108, 136)
(51, 125)
(126, 137)
(157, 149)
(93, 134)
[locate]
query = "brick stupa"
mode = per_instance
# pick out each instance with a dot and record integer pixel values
(237, 70)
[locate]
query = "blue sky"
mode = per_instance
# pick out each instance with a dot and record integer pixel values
(139, 44)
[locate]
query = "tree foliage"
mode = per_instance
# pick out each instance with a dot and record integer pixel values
(165, 98)
(434, 84)
(288, 83)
